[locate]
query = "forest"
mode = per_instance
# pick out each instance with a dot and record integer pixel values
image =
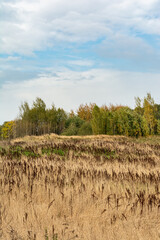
(89, 119)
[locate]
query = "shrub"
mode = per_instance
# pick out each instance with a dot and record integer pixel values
(85, 129)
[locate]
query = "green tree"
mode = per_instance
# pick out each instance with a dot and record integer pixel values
(135, 126)
(72, 125)
(85, 129)
(96, 122)
(61, 119)
(24, 111)
(149, 112)
(158, 126)
(157, 111)
(144, 127)
(37, 115)
(104, 119)
(139, 108)
(51, 118)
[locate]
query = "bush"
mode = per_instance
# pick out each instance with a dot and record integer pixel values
(85, 129)
(71, 130)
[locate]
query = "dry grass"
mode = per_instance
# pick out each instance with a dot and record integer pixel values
(90, 188)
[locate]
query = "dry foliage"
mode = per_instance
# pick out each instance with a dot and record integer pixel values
(89, 188)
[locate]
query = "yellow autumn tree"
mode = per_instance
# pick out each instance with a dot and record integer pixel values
(7, 130)
(85, 111)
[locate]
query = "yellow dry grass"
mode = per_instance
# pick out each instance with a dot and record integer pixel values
(89, 188)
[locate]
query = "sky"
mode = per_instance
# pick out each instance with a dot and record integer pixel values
(78, 51)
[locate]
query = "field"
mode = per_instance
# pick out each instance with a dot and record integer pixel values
(88, 188)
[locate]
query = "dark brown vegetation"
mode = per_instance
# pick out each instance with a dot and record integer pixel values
(90, 188)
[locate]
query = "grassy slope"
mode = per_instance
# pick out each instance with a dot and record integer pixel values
(86, 188)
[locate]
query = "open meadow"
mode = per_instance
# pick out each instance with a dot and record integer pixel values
(82, 188)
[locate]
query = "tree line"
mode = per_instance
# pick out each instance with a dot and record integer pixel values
(89, 119)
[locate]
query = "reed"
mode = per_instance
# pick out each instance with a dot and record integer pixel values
(61, 188)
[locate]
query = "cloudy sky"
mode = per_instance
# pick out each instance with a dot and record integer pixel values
(70, 52)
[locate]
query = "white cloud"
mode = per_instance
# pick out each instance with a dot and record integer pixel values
(30, 25)
(130, 47)
(9, 59)
(81, 63)
(34, 25)
(68, 89)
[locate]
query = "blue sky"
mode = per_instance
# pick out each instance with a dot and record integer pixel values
(78, 51)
